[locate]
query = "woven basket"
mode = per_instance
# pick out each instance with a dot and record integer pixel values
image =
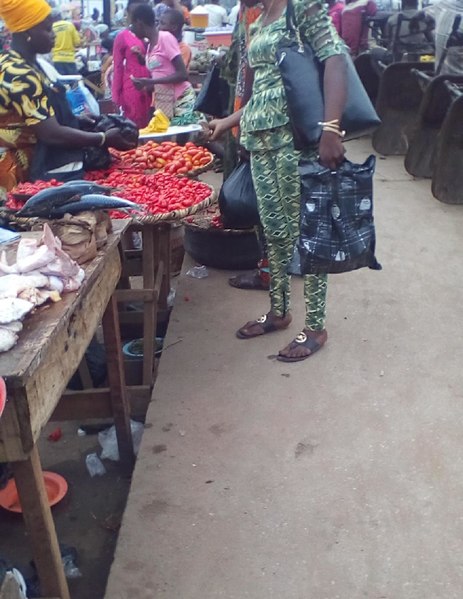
(177, 215)
(20, 222)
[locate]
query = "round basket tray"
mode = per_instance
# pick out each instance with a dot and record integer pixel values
(199, 171)
(177, 215)
(21, 222)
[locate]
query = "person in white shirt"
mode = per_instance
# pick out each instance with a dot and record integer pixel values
(217, 14)
(233, 16)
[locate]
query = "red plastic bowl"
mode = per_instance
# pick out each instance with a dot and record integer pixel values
(55, 485)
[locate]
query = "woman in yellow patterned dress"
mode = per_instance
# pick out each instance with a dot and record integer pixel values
(266, 133)
(27, 96)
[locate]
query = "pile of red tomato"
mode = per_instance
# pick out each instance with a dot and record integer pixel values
(24, 191)
(166, 156)
(160, 193)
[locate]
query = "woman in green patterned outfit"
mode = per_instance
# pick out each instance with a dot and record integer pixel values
(266, 133)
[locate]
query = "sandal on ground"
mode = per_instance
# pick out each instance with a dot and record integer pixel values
(251, 280)
(265, 326)
(303, 340)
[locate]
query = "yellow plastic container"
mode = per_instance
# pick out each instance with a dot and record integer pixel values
(199, 17)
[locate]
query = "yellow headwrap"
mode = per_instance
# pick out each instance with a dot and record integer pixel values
(21, 15)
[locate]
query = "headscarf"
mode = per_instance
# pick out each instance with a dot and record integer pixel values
(22, 15)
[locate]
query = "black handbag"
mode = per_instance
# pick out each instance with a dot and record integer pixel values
(302, 74)
(237, 199)
(214, 95)
(337, 231)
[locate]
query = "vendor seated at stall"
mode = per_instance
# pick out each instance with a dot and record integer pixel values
(39, 135)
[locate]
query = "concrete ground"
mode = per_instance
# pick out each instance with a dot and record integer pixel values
(337, 478)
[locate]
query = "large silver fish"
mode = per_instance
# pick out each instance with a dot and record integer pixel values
(95, 202)
(44, 202)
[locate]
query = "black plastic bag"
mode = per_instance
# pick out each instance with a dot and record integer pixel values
(237, 199)
(337, 227)
(100, 158)
(214, 96)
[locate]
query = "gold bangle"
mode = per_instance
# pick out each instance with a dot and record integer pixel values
(332, 127)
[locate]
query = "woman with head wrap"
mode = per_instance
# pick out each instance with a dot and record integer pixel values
(33, 110)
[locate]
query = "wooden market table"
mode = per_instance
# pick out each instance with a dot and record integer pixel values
(37, 371)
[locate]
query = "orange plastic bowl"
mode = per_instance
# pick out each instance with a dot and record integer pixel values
(55, 485)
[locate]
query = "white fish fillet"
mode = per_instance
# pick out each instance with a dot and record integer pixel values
(16, 326)
(36, 261)
(5, 268)
(39, 296)
(8, 339)
(56, 284)
(13, 285)
(26, 247)
(13, 309)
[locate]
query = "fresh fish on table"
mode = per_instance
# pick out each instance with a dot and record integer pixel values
(95, 202)
(94, 187)
(8, 339)
(13, 308)
(44, 201)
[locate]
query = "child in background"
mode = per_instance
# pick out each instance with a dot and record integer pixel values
(173, 21)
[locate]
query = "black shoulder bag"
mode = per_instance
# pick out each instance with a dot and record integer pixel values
(302, 75)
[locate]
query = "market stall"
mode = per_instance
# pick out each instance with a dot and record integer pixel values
(37, 370)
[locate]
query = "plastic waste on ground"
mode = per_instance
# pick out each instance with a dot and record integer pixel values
(95, 466)
(171, 298)
(69, 558)
(108, 441)
(198, 272)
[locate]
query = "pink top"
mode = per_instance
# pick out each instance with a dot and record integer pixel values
(159, 61)
(335, 12)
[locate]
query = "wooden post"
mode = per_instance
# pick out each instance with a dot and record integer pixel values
(150, 308)
(118, 392)
(40, 526)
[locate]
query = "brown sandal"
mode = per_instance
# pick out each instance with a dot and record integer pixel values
(305, 341)
(265, 324)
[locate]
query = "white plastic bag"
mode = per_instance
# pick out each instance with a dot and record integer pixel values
(108, 441)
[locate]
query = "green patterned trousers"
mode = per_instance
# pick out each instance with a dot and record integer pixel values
(276, 181)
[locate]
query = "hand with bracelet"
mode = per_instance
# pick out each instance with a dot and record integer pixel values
(330, 150)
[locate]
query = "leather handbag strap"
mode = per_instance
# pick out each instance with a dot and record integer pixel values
(291, 23)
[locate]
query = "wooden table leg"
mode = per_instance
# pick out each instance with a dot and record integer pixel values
(118, 392)
(40, 526)
(165, 254)
(150, 308)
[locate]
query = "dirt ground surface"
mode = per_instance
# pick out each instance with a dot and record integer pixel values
(336, 478)
(88, 518)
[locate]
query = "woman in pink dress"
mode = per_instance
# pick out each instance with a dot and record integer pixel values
(127, 53)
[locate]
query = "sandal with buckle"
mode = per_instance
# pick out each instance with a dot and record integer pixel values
(266, 326)
(303, 340)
